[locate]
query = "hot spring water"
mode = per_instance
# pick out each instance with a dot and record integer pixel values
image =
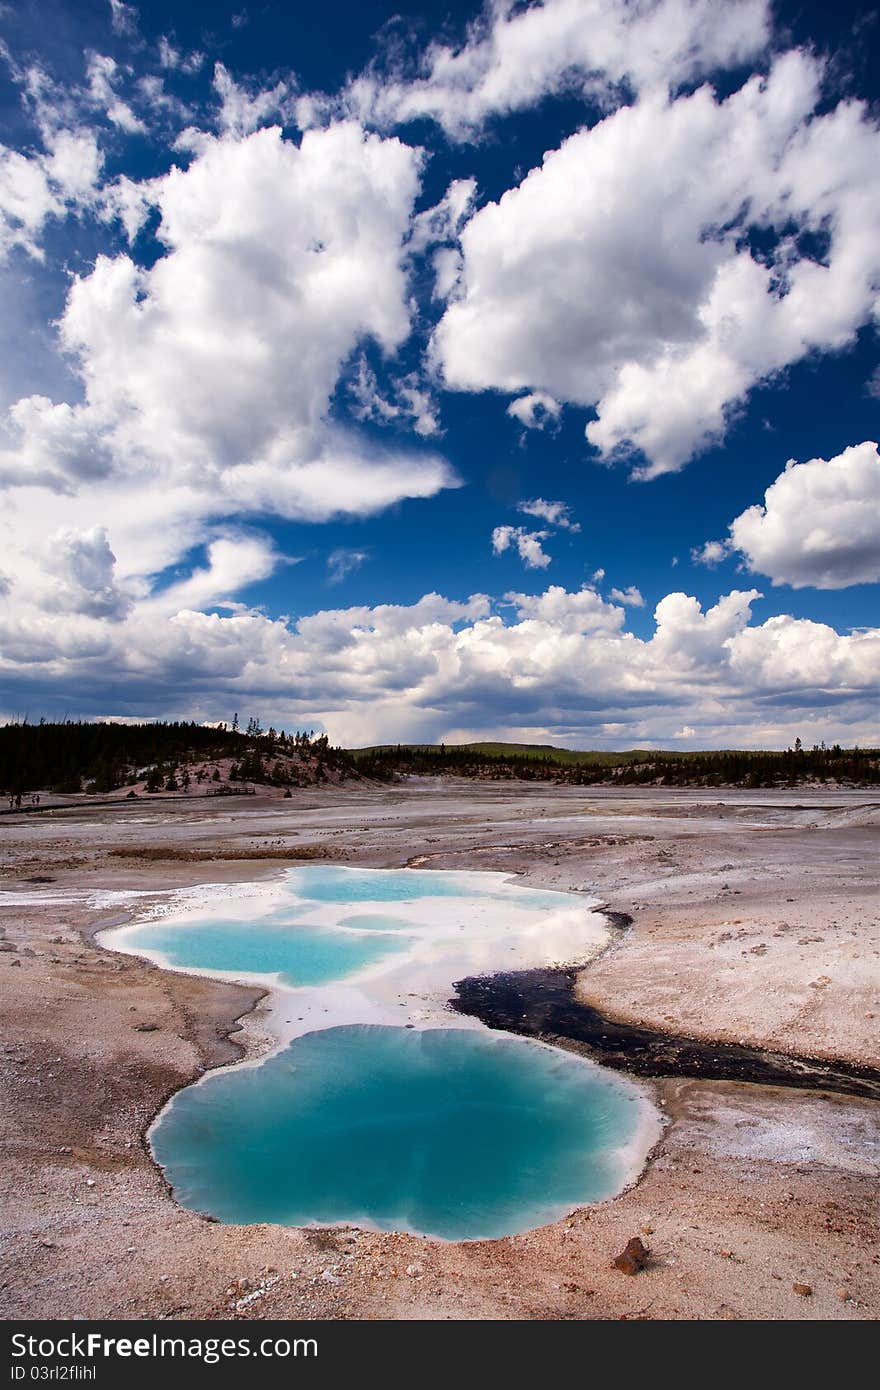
(380, 1108)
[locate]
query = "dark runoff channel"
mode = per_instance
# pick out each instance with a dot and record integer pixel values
(542, 1004)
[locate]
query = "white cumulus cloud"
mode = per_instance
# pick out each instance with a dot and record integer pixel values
(343, 562)
(617, 275)
(242, 111)
(44, 185)
(534, 410)
(233, 562)
(561, 661)
(516, 54)
(103, 77)
(407, 402)
(630, 597)
(554, 513)
(711, 553)
(85, 566)
(123, 18)
(526, 543)
(207, 379)
(819, 524)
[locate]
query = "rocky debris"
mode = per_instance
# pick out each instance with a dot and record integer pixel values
(146, 1027)
(633, 1257)
(804, 1290)
(243, 1292)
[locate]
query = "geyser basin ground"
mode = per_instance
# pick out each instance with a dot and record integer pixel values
(379, 1106)
(450, 1133)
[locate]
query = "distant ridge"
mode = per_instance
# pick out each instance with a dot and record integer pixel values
(538, 751)
(495, 761)
(146, 758)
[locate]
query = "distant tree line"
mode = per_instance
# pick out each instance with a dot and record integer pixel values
(641, 767)
(73, 756)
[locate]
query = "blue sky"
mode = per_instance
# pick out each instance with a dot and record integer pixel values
(434, 372)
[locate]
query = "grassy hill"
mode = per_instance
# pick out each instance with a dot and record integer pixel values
(637, 766)
(574, 756)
